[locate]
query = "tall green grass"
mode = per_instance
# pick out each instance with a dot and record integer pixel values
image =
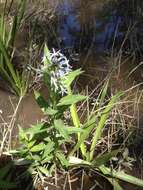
(8, 72)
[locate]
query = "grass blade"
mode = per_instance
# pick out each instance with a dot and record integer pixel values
(122, 176)
(101, 124)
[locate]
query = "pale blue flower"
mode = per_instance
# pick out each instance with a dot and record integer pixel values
(58, 68)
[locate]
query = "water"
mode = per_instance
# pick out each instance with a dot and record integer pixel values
(89, 31)
(98, 33)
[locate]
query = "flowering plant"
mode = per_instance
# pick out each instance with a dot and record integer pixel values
(44, 145)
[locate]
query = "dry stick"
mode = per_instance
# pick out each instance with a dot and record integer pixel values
(10, 127)
(5, 124)
(82, 180)
(12, 122)
(65, 182)
(56, 177)
(69, 180)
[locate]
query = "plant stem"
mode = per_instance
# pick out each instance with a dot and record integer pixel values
(76, 123)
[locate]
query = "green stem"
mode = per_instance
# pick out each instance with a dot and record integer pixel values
(76, 123)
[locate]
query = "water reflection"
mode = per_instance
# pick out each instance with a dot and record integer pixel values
(69, 25)
(98, 31)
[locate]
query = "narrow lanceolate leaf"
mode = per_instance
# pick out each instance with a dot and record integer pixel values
(22, 7)
(22, 135)
(12, 34)
(7, 61)
(77, 161)
(48, 149)
(102, 159)
(49, 111)
(31, 143)
(103, 93)
(71, 99)
(36, 158)
(113, 181)
(121, 175)
(43, 170)
(36, 129)
(61, 128)
(38, 147)
(87, 128)
(46, 58)
(70, 77)
(62, 159)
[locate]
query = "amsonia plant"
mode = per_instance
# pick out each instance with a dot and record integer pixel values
(44, 144)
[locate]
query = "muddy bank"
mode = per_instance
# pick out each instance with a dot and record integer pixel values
(29, 112)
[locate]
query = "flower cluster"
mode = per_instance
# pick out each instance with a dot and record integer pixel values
(58, 67)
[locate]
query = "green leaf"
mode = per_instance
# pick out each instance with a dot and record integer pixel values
(50, 111)
(62, 159)
(47, 139)
(48, 159)
(21, 11)
(104, 116)
(37, 148)
(61, 128)
(36, 129)
(41, 101)
(71, 99)
(43, 170)
(31, 143)
(87, 128)
(8, 63)
(121, 175)
(47, 56)
(7, 49)
(74, 130)
(36, 158)
(23, 150)
(22, 135)
(102, 94)
(48, 149)
(70, 77)
(77, 161)
(102, 159)
(44, 105)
